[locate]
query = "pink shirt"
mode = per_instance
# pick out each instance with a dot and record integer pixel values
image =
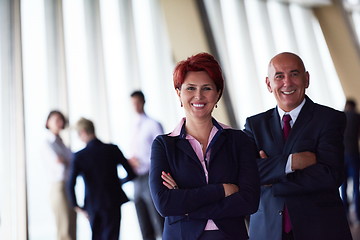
(195, 144)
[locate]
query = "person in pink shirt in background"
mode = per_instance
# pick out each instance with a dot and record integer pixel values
(203, 175)
(145, 131)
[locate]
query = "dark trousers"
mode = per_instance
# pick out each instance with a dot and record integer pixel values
(150, 221)
(352, 162)
(105, 224)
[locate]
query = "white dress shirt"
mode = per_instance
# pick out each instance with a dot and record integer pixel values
(53, 148)
(146, 130)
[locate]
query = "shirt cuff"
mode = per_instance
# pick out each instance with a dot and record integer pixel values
(288, 165)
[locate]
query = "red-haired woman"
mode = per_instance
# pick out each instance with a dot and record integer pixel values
(203, 177)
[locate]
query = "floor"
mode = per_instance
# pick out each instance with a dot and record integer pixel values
(354, 226)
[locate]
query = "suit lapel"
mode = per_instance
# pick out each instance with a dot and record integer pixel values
(275, 128)
(305, 116)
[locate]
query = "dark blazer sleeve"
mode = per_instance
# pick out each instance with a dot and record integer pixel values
(124, 162)
(74, 172)
(177, 202)
(318, 129)
(327, 144)
(271, 169)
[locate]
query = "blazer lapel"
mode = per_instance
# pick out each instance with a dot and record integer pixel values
(219, 144)
(186, 148)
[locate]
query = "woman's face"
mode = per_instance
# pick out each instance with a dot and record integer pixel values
(198, 95)
(55, 123)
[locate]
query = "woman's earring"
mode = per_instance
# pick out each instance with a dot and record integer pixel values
(215, 105)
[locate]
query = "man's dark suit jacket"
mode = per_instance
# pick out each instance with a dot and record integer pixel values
(187, 209)
(97, 164)
(351, 134)
(311, 194)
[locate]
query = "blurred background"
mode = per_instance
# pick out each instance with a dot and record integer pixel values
(85, 57)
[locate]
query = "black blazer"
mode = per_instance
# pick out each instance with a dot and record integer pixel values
(97, 163)
(312, 194)
(187, 209)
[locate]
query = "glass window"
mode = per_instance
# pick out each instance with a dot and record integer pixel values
(353, 9)
(85, 58)
(253, 31)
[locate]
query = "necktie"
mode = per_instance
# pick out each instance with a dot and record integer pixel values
(286, 130)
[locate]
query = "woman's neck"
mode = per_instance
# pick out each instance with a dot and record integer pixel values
(56, 132)
(200, 130)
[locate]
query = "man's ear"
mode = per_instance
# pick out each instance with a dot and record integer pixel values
(267, 81)
(307, 74)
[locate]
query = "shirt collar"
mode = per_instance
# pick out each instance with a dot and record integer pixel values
(180, 128)
(51, 137)
(92, 141)
(293, 113)
(140, 117)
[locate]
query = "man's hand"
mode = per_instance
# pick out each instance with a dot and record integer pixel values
(230, 189)
(82, 211)
(134, 162)
(262, 154)
(302, 160)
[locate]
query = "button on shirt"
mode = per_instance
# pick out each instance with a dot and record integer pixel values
(197, 147)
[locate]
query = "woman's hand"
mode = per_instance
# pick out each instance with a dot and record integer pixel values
(169, 182)
(230, 189)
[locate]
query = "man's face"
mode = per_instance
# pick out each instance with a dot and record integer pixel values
(287, 79)
(138, 104)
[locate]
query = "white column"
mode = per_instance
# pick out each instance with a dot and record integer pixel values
(13, 203)
(243, 86)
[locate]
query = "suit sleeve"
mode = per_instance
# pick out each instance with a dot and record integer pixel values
(124, 162)
(327, 173)
(177, 202)
(74, 172)
(271, 169)
(244, 202)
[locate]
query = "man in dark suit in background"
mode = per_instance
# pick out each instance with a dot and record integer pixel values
(300, 171)
(352, 159)
(97, 163)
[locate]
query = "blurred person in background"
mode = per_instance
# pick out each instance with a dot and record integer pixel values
(145, 131)
(57, 159)
(352, 159)
(98, 165)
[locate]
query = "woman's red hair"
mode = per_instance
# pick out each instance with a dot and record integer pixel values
(199, 62)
